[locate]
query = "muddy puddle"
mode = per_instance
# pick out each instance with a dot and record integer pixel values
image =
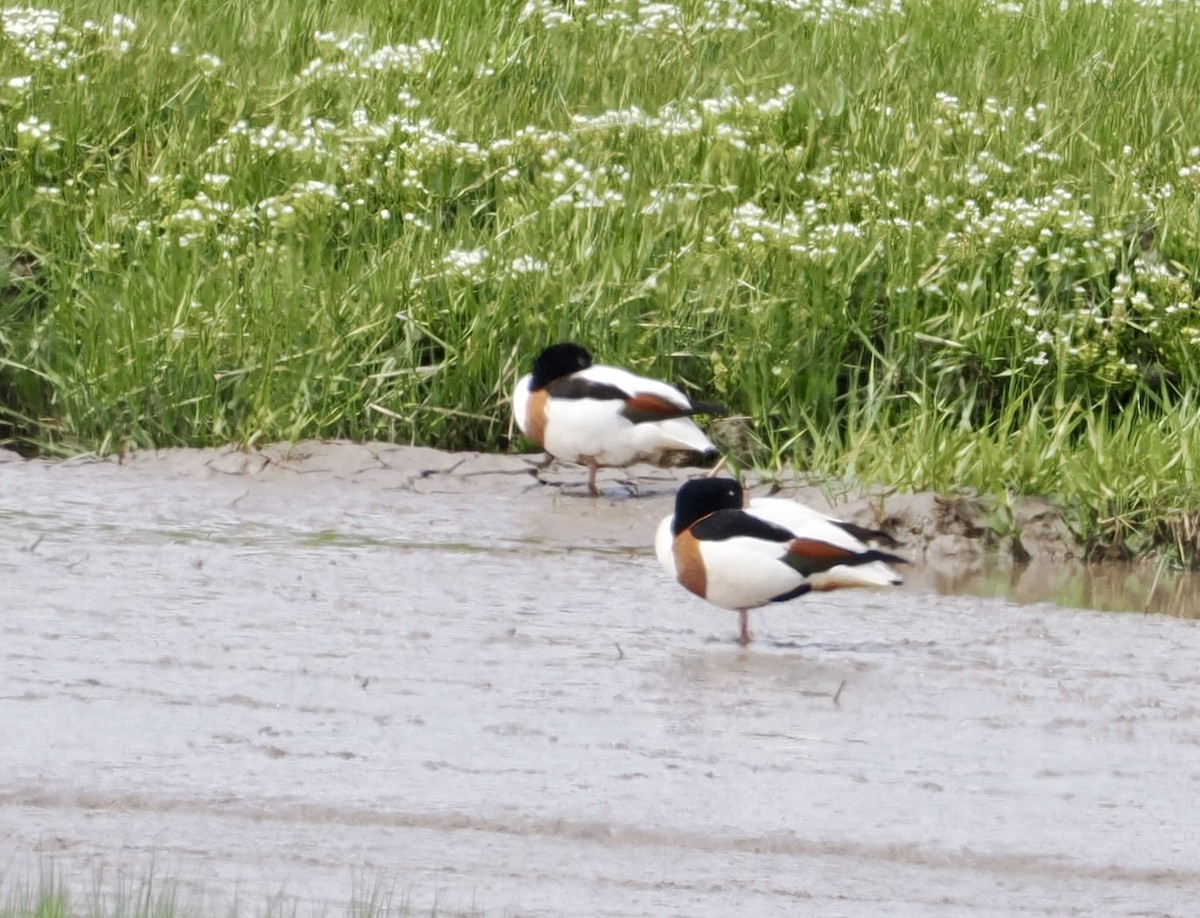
(396, 674)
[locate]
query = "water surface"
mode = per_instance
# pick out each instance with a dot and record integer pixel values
(303, 687)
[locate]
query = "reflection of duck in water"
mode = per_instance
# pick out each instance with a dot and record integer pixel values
(599, 415)
(771, 550)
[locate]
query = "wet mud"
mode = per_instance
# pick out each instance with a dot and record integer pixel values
(336, 672)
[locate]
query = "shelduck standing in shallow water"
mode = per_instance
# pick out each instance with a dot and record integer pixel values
(598, 415)
(772, 550)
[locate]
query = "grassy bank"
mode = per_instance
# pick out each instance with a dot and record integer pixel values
(933, 244)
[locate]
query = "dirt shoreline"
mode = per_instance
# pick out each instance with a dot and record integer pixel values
(949, 531)
(956, 545)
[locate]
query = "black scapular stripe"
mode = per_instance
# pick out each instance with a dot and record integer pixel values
(577, 387)
(732, 524)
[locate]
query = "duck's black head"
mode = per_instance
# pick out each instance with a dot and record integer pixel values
(698, 498)
(557, 361)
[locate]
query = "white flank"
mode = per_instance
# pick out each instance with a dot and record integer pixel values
(663, 542)
(520, 401)
(742, 573)
(652, 437)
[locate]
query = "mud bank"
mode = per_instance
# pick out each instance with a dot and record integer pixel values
(955, 542)
(933, 527)
(298, 677)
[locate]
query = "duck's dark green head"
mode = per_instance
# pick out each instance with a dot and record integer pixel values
(557, 361)
(698, 498)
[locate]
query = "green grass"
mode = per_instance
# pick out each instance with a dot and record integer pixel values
(950, 244)
(50, 897)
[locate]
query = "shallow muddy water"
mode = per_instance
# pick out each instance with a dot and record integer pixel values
(371, 672)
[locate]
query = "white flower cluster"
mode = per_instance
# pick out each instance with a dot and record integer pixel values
(827, 12)
(1150, 300)
(734, 120)
(203, 217)
(40, 36)
(549, 13)
(664, 199)
(114, 33)
(584, 188)
(468, 264)
(1191, 172)
(354, 59)
(993, 118)
(209, 63)
(194, 220)
(981, 169)
(749, 228)
(750, 225)
(657, 20)
(36, 35)
(526, 264)
(33, 133)
(315, 137)
(1018, 7)
(1054, 215)
(874, 186)
(475, 266)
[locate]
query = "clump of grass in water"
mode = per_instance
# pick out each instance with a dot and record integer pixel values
(50, 898)
(950, 244)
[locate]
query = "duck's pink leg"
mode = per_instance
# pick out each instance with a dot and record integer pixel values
(592, 469)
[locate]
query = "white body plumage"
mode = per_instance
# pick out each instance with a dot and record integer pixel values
(579, 429)
(746, 572)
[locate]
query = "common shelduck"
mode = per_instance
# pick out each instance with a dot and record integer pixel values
(599, 415)
(771, 550)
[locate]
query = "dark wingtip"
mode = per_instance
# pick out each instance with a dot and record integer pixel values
(709, 408)
(887, 557)
(864, 534)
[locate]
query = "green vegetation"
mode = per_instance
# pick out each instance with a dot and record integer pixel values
(50, 898)
(950, 243)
